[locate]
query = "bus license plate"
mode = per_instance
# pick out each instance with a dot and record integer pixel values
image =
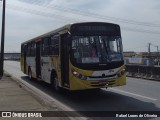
(103, 82)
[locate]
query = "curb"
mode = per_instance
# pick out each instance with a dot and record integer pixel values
(46, 99)
(144, 77)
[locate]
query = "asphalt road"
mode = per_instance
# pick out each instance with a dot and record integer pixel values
(137, 95)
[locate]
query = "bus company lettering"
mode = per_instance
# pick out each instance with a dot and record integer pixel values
(15, 114)
(34, 115)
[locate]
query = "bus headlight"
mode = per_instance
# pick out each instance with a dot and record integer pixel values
(121, 73)
(78, 75)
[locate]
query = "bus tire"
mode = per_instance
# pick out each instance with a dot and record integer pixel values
(30, 74)
(54, 82)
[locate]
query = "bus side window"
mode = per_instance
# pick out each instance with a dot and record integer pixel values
(28, 50)
(42, 48)
(22, 50)
(45, 47)
(54, 46)
(32, 49)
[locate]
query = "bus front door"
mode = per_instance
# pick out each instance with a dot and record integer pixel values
(65, 60)
(38, 60)
(24, 49)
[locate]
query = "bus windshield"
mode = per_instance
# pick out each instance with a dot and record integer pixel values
(96, 49)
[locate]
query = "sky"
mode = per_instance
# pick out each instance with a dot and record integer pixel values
(139, 19)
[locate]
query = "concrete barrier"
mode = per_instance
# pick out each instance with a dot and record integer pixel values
(144, 72)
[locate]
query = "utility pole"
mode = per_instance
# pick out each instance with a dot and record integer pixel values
(157, 52)
(149, 49)
(157, 49)
(2, 39)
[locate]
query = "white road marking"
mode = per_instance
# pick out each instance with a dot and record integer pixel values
(122, 91)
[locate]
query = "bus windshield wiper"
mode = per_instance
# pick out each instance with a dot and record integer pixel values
(105, 49)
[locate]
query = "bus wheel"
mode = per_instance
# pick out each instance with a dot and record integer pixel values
(54, 82)
(30, 74)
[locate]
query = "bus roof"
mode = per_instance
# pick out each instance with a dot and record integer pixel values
(49, 33)
(64, 28)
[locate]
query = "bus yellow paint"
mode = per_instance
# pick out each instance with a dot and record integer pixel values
(82, 55)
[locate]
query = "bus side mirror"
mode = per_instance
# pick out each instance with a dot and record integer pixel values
(68, 34)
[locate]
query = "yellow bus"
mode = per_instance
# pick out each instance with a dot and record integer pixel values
(77, 56)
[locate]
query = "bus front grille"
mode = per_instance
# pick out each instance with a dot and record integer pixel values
(102, 83)
(99, 84)
(110, 83)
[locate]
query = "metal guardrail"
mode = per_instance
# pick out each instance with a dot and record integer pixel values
(145, 72)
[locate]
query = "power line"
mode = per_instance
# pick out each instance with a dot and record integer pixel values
(51, 15)
(96, 15)
(93, 14)
(141, 30)
(37, 12)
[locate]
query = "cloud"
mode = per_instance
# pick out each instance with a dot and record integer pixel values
(39, 2)
(47, 15)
